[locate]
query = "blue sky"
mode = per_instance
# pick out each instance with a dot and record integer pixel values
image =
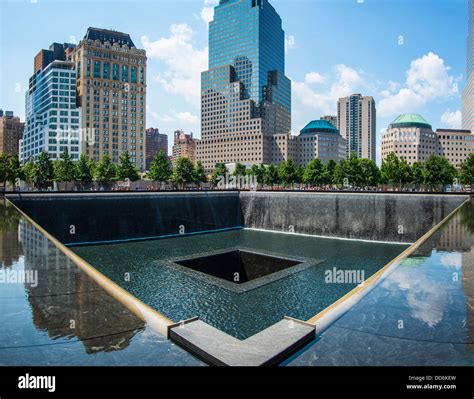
(408, 54)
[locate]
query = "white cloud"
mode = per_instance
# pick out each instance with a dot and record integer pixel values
(427, 79)
(184, 63)
(290, 43)
(207, 12)
(314, 78)
(346, 81)
(452, 120)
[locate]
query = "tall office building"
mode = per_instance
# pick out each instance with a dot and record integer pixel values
(468, 94)
(245, 95)
(356, 121)
(155, 142)
(52, 117)
(111, 89)
(11, 132)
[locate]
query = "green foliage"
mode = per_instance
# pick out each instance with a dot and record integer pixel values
(183, 172)
(370, 173)
(160, 169)
(329, 172)
(84, 170)
(240, 170)
(219, 172)
(287, 172)
(43, 172)
(28, 171)
(418, 173)
(105, 170)
(259, 172)
(271, 175)
(315, 173)
(395, 171)
(200, 175)
(65, 169)
(438, 171)
(127, 169)
(467, 171)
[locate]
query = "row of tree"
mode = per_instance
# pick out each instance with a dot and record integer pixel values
(359, 172)
(352, 172)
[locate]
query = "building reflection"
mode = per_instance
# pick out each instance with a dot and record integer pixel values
(67, 304)
(10, 246)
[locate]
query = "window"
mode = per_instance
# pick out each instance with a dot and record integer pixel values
(106, 71)
(115, 72)
(124, 73)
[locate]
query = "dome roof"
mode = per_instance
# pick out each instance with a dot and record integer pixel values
(319, 126)
(411, 120)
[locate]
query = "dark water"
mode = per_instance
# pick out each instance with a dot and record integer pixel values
(140, 268)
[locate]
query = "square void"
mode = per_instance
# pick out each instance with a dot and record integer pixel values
(238, 266)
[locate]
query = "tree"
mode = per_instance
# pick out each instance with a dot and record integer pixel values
(200, 175)
(240, 170)
(84, 171)
(467, 171)
(4, 160)
(348, 172)
(271, 175)
(287, 172)
(105, 171)
(329, 172)
(65, 169)
(127, 169)
(183, 172)
(259, 172)
(14, 169)
(438, 171)
(395, 170)
(43, 172)
(161, 169)
(370, 175)
(28, 171)
(219, 172)
(314, 173)
(418, 173)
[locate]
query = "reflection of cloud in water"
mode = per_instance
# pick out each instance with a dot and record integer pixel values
(427, 297)
(451, 259)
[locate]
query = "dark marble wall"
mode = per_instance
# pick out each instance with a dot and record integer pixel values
(101, 217)
(383, 217)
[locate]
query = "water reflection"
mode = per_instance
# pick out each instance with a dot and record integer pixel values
(64, 303)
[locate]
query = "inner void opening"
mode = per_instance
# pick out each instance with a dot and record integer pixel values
(238, 266)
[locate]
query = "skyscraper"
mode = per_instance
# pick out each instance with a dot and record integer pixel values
(111, 88)
(184, 146)
(52, 117)
(356, 121)
(468, 94)
(245, 95)
(11, 132)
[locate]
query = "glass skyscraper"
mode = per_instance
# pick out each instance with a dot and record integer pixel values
(246, 97)
(52, 117)
(468, 95)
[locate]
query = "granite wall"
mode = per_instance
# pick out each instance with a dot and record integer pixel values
(383, 217)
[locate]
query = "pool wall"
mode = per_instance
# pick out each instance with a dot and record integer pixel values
(109, 217)
(376, 217)
(93, 218)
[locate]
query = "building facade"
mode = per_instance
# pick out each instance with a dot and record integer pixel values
(320, 139)
(356, 122)
(455, 145)
(111, 89)
(155, 142)
(52, 116)
(11, 132)
(412, 138)
(468, 94)
(184, 147)
(245, 95)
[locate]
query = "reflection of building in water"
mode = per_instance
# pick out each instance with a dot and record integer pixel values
(454, 236)
(10, 247)
(67, 304)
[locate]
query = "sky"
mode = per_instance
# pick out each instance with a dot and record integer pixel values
(410, 55)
